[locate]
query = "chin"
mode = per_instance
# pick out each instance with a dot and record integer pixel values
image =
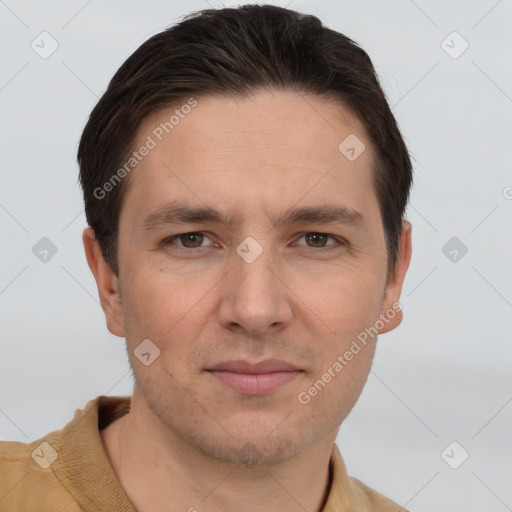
(249, 438)
(254, 453)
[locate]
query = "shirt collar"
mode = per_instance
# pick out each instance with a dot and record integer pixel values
(85, 470)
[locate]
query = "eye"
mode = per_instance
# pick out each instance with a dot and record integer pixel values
(187, 240)
(319, 240)
(194, 240)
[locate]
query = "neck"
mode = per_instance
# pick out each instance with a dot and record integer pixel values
(156, 468)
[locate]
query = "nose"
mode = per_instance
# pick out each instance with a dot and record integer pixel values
(256, 299)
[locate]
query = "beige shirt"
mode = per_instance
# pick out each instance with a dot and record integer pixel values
(68, 470)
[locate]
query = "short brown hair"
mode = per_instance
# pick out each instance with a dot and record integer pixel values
(235, 51)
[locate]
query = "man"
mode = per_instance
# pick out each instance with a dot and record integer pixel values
(245, 185)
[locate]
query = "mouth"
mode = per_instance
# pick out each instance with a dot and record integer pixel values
(255, 378)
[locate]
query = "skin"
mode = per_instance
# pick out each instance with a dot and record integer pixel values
(189, 439)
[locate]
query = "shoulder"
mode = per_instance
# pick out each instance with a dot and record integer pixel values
(47, 474)
(372, 500)
(27, 481)
(349, 493)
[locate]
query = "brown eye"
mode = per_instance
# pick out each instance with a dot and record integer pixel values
(187, 240)
(195, 240)
(317, 239)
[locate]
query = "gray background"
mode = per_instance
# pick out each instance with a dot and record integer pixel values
(442, 376)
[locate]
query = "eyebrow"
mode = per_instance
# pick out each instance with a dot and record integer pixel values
(175, 213)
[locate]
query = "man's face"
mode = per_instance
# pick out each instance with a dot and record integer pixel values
(252, 290)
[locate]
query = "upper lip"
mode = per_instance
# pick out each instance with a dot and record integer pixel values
(267, 366)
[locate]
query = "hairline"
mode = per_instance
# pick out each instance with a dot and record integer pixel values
(343, 109)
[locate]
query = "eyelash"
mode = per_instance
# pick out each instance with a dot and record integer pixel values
(340, 241)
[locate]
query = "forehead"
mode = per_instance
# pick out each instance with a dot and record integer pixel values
(272, 145)
(311, 122)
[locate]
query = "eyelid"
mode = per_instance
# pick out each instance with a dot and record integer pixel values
(171, 239)
(340, 241)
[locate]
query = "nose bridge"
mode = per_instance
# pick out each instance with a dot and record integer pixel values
(255, 299)
(252, 268)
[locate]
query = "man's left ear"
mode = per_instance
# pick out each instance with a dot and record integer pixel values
(391, 311)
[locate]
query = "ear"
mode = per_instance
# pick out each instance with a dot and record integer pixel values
(107, 282)
(393, 289)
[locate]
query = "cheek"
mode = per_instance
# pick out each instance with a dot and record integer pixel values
(159, 296)
(169, 309)
(331, 394)
(344, 300)
(347, 353)
(348, 311)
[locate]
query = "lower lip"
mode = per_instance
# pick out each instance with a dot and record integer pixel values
(255, 384)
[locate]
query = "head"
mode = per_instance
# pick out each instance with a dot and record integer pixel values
(267, 136)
